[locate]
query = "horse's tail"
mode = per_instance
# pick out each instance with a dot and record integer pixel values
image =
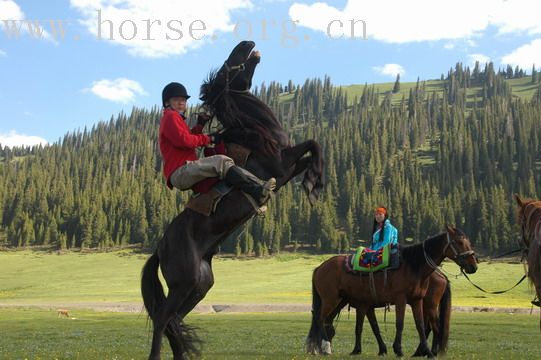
(315, 335)
(151, 287)
(445, 318)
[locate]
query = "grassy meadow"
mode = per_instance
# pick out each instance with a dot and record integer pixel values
(521, 88)
(31, 277)
(33, 284)
(39, 334)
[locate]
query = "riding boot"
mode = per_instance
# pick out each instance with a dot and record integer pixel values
(536, 302)
(242, 179)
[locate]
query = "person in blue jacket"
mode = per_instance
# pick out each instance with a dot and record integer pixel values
(383, 232)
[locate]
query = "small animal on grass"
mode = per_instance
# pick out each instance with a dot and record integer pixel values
(63, 312)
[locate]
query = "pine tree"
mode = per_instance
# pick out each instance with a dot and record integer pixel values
(396, 87)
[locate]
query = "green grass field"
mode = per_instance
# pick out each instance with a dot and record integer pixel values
(28, 277)
(521, 88)
(48, 280)
(39, 334)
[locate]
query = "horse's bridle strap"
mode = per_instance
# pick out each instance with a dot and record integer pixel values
(239, 67)
(452, 246)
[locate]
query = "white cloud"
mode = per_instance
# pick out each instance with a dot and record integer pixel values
(390, 70)
(471, 43)
(10, 10)
(483, 59)
(12, 139)
(525, 56)
(449, 46)
(144, 26)
(398, 21)
(117, 90)
(3, 53)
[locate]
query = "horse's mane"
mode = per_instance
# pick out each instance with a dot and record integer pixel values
(530, 215)
(206, 88)
(246, 118)
(414, 254)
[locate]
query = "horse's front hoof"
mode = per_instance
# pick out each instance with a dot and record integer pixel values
(355, 352)
(418, 352)
(326, 347)
(398, 350)
(310, 347)
(383, 352)
(426, 353)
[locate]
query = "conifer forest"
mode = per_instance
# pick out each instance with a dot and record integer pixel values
(447, 151)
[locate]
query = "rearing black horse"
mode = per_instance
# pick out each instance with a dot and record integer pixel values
(191, 240)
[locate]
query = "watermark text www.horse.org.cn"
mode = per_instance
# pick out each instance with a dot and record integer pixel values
(286, 31)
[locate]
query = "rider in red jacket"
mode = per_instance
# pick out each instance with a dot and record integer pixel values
(182, 168)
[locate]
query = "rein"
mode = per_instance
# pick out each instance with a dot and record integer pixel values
(229, 69)
(458, 255)
(226, 89)
(493, 292)
(509, 253)
(498, 291)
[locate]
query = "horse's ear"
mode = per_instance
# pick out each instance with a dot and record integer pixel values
(451, 229)
(518, 200)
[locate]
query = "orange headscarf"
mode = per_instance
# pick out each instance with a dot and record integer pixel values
(381, 210)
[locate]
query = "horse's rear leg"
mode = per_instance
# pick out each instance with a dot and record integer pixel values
(177, 335)
(422, 349)
(400, 309)
(360, 313)
(371, 314)
(432, 323)
(163, 316)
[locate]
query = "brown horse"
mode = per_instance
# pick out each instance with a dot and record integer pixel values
(185, 252)
(436, 314)
(333, 287)
(529, 219)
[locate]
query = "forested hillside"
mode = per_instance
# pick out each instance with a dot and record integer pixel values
(452, 150)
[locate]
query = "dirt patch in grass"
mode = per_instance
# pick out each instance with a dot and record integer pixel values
(135, 307)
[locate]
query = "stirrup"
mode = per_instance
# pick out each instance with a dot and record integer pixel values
(270, 184)
(262, 211)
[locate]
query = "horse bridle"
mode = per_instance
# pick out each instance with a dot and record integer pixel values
(459, 256)
(240, 67)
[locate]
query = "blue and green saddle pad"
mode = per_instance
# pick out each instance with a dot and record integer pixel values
(366, 260)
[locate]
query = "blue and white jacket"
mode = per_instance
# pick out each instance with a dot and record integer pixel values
(390, 236)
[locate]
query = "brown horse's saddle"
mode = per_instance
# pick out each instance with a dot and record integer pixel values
(366, 260)
(206, 203)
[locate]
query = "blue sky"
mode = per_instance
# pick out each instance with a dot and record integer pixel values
(56, 82)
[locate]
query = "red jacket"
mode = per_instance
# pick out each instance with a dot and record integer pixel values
(177, 142)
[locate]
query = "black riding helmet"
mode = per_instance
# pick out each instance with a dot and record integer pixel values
(173, 89)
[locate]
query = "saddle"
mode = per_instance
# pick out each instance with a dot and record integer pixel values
(366, 260)
(209, 192)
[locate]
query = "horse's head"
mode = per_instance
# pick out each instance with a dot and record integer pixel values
(235, 74)
(528, 215)
(459, 249)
